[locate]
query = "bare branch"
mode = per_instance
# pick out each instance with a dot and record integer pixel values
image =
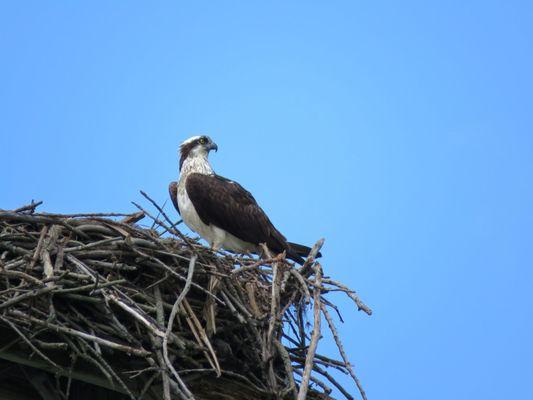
(304, 386)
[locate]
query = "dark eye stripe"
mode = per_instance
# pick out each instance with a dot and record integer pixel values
(186, 149)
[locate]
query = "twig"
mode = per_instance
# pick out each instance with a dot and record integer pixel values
(302, 283)
(127, 349)
(341, 350)
(304, 386)
(37, 252)
(160, 209)
(360, 305)
(172, 230)
(282, 351)
(30, 207)
(29, 343)
(272, 320)
(187, 393)
(159, 355)
(25, 296)
(306, 268)
(137, 314)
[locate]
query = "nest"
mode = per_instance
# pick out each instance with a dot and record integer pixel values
(152, 314)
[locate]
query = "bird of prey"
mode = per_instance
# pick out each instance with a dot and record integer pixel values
(220, 210)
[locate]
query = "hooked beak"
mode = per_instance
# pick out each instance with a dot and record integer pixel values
(213, 146)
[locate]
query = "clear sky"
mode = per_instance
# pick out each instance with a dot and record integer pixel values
(401, 131)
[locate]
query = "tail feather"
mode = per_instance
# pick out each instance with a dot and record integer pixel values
(297, 251)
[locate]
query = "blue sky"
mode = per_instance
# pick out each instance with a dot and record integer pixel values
(402, 132)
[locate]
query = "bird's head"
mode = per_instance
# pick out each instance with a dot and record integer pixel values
(196, 146)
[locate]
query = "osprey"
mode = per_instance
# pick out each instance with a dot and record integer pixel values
(220, 210)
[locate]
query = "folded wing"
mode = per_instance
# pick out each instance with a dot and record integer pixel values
(173, 192)
(227, 205)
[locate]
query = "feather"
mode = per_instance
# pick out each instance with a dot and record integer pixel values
(227, 205)
(173, 192)
(302, 250)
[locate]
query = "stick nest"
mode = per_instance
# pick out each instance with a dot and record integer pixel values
(153, 314)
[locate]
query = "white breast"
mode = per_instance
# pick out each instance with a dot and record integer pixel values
(215, 236)
(191, 218)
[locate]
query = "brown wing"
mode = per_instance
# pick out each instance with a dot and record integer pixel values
(227, 205)
(173, 192)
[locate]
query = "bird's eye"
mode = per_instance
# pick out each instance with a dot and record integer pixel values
(203, 140)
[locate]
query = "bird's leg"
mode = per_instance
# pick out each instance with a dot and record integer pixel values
(215, 246)
(265, 252)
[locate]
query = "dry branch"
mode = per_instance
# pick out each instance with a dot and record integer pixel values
(309, 360)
